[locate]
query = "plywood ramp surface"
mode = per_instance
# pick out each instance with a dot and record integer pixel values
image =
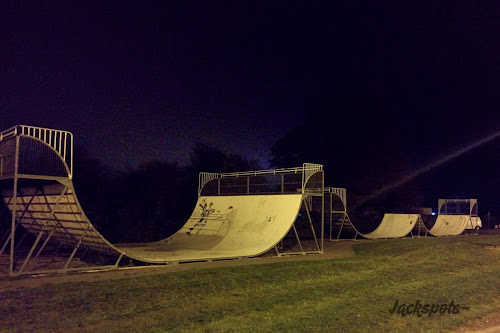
(394, 226)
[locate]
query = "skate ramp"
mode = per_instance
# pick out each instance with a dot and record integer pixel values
(394, 226)
(219, 227)
(449, 225)
(225, 227)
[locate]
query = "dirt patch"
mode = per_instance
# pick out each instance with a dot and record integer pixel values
(487, 324)
(490, 247)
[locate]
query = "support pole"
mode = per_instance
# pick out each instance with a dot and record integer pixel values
(21, 240)
(330, 212)
(5, 244)
(51, 216)
(31, 251)
(71, 256)
(14, 209)
(84, 252)
(341, 227)
(311, 224)
(56, 251)
(74, 251)
(118, 261)
(297, 237)
(45, 243)
(323, 213)
(282, 184)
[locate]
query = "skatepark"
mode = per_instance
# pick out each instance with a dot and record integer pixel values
(253, 237)
(238, 215)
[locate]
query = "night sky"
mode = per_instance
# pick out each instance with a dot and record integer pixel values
(136, 81)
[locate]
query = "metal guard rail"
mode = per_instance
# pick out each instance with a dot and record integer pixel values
(60, 141)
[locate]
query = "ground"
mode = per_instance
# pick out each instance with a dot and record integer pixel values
(333, 250)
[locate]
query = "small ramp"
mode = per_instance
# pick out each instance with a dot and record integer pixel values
(449, 225)
(394, 226)
(391, 226)
(454, 217)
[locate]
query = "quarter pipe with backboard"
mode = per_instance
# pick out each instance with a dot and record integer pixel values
(449, 225)
(37, 168)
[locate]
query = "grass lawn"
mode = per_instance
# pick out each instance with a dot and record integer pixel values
(348, 295)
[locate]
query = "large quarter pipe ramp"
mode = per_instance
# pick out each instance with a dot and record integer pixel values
(219, 227)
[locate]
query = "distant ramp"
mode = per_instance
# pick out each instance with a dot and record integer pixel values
(391, 226)
(450, 225)
(394, 226)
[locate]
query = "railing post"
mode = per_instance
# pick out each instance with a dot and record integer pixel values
(14, 209)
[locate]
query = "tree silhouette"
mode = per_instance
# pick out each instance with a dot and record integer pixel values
(355, 135)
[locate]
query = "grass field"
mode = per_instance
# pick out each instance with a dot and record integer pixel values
(349, 295)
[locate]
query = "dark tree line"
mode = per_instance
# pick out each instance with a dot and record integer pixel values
(366, 146)
(150, 202)
(357, 138)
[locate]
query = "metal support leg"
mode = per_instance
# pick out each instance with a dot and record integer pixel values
(297, 236)
(74, 251)
(7, 235)
(13, 227)
(72, 255)
(31, 251)
(51, 216)
(21, 240)
(45, 243)
(312, 227)
(331, 226)
(5, 244)
(56, 251)
(8, 238)
(341, 227)
(83, 254)
(323, 218)
(118, 261)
